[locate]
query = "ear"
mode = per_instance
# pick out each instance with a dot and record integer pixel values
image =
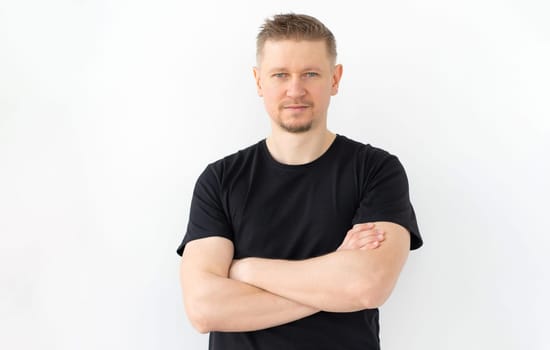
(336, 76)
(256, 72)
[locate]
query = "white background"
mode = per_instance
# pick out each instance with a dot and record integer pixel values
(109, 110)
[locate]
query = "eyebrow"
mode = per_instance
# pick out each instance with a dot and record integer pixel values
(307, 69)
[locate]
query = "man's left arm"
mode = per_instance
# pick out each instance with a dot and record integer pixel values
(342, 281)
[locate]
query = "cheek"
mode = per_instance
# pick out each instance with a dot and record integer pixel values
(271, 98)
(321, 95)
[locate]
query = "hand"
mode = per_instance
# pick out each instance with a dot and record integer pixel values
(236, 270)
(362, 237)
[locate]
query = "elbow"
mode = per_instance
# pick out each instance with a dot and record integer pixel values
(372, 299)
(200, 325)
(373, 294)
(198, 317)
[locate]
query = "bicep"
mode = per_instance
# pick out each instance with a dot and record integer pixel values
(391, 255)
(397, 239)
(385, 263)
(211, 255)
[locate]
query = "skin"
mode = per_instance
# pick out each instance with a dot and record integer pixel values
(362, 237)
(206, 286)
(369, 278)
(296, 84)
(296, 80)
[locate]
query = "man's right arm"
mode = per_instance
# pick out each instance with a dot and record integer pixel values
(214, 302)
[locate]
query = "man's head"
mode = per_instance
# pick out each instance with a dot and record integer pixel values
(295, 27)
(296, 72)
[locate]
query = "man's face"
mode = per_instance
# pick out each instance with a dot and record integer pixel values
(296, 80)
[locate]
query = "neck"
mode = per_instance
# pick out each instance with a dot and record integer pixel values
(301, 148)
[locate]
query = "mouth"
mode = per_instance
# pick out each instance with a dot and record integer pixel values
(296, 107)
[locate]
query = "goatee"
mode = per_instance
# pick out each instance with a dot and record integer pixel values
(296, 129)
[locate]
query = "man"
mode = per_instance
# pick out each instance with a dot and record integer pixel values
(294, 242)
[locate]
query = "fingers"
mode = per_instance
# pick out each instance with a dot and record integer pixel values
(363, 236)
(370, 246)
(370, 241)
(363, 226)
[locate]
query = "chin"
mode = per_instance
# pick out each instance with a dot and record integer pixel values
(296, 128)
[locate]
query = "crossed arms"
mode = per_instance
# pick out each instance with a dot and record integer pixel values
(222, 294)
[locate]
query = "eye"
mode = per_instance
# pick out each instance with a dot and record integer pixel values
(311, 74)
(279, 75)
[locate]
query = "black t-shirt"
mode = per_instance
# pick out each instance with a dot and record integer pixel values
(279, 211)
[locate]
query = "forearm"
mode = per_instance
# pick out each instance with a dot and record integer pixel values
(223, 304)
(342, 281)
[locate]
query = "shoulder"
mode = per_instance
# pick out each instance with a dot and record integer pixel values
(366, 153)
(373, 166)
(234, 163)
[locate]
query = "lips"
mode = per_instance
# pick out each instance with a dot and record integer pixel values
(295, 107)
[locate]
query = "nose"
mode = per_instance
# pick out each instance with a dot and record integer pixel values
(295, 88)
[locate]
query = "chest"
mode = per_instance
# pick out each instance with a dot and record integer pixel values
(292, 215)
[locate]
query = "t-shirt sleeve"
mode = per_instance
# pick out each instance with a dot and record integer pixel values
(208, 216)
(385, 196)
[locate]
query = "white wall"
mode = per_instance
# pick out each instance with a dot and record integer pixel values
(109, 110)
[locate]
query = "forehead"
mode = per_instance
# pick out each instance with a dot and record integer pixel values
(294, 54)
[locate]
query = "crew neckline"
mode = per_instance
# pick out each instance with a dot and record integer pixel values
(313, 163)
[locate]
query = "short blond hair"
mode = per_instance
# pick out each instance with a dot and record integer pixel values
(295, 27)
